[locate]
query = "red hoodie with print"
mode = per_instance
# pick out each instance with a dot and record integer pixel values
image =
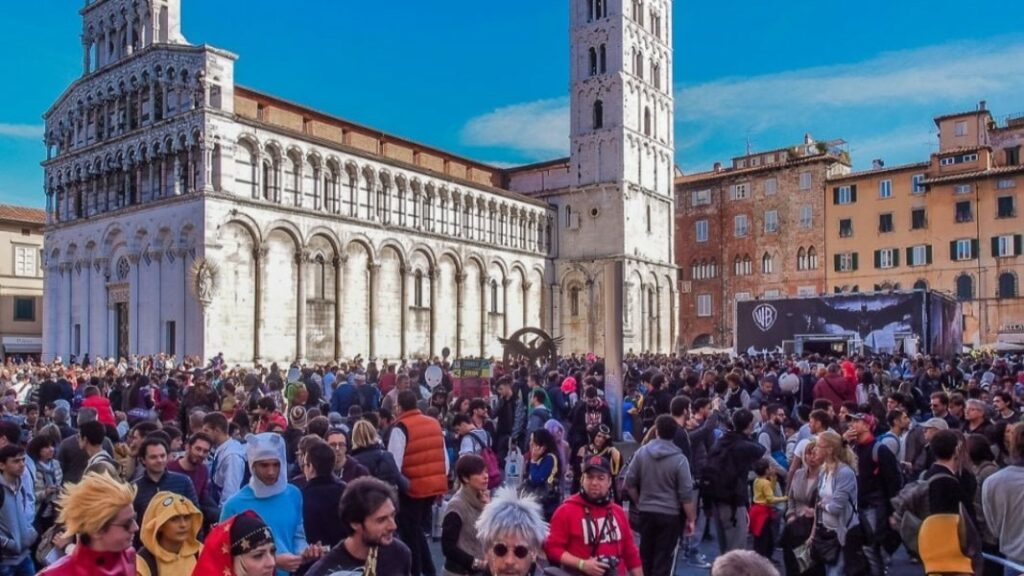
(573, 530)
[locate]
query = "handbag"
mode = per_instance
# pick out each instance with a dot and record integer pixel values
(804, 560)
(824, 542)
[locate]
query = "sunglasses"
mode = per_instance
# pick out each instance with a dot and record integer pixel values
(501, 550)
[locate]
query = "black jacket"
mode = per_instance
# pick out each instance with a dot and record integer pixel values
(743, 453)
(381, 465)
(320, 499)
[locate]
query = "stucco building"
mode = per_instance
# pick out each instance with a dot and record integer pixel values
(21, 280)
(191, 215)
(951, 224)
(752, 229)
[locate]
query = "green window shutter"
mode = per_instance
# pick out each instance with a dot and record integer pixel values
(928, 254)
(837, 260)
(910, 257)
(853, 193)
(878, 258)
(995, 246)
(1017, 245)
(855, 261)
(895, 258)
(975, 248)
(835, 195)
(952, 249)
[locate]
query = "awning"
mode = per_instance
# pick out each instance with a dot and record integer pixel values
(22, 345)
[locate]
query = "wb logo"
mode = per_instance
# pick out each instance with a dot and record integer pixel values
(765, 316)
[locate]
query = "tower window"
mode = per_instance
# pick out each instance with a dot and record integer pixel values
(647, 121)
(598, 115)
(639, 65)
(603, 58)
(593, 62)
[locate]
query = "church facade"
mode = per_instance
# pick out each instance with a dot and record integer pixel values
(191, 215)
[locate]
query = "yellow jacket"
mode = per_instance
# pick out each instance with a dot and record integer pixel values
(764, 492)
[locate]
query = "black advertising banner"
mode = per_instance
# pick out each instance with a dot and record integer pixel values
(880, 320)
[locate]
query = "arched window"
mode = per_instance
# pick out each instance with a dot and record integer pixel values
(417, 289)
(737, 266)
(920, 285)
(598, 115)
(656, 75)
(638, 64)
(602, 56)
(267, 189)
(713, 268)
(649, 223)
(601, 8)
(767, 264)
(494, 296)
(647, 121)
(638, 12)
(319, 277)
(812, 259)
(574, 301)
(593, 62)
(694, 270)
(964, 287)
(1007, 285)
(801, 259)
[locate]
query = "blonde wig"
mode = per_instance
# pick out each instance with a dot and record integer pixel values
(87, 507)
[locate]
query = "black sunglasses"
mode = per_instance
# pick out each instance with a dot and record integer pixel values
(500, 550)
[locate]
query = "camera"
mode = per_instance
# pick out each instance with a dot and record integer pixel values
(612, 563)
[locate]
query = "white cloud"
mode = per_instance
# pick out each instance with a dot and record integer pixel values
(21, 130)
(932, 75)
(882, 106)
(537, 129)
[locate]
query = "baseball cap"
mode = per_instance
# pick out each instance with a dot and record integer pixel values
(937, 423)
(868, 418)
(598, 463)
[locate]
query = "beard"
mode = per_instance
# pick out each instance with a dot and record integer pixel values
(381, 540)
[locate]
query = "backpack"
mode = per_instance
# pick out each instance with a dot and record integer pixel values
(150, 560)
(910, 508)
(720, 481)
(491, 460)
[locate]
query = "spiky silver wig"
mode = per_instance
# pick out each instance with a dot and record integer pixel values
(511, 513)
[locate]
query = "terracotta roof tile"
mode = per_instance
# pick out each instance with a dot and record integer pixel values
(25, 214)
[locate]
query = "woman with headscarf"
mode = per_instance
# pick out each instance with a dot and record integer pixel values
(511, 530)
(97, 512)
(242, 545)
(169, 534)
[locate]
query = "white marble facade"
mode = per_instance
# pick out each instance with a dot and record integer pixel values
(321, 250)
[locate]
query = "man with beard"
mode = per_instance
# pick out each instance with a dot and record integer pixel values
(368, 510)
(193, 465)
(588, 530)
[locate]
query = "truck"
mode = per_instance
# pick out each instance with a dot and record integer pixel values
(902, 321)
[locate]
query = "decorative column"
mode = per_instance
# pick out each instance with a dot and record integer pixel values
(435, 276)
(504, 305)
(339, 264)
(259, 253)
(134, 324)
(591, 329)
(526, 294)
(403, 272)
(657, 321)
(374, 269)
(460, 283)
(158, 257)
(86, 48)
(483, 312)
(300, 315)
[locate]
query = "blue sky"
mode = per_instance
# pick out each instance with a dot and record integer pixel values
(491, 83)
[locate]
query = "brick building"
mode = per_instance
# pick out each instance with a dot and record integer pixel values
(753, 229)
(950, 224)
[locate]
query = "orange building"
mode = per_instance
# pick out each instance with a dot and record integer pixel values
(950, 224)
(753, 229)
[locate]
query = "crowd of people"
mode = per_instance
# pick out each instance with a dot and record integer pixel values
(791, 465)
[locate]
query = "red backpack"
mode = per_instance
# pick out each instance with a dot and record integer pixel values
(491, 460)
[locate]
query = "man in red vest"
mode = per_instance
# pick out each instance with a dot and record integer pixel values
(417, 443)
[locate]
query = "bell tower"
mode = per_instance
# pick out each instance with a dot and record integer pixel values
(115, 29)
(622, 142)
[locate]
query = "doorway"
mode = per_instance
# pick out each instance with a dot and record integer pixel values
(121, 329)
